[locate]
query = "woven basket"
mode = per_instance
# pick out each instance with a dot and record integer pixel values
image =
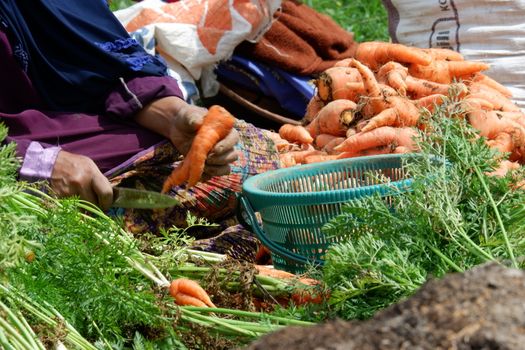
(295, 203)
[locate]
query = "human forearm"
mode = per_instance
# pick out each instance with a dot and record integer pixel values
(160, 115)
(129, 97)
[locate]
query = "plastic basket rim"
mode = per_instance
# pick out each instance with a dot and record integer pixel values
(250, 189)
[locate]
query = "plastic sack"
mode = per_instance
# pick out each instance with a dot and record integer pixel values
(197, 34)
(492, 31)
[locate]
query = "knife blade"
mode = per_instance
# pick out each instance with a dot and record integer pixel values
(141, 199)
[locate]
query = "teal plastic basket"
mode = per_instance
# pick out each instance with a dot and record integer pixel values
(295, 203)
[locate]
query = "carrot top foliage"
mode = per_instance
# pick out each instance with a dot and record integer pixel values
(453, 218)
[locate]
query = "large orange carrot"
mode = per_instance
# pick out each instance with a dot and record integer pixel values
(374, 93)
(295, 133)
(503, 142)
(504, 167)
(483, 79)
(374, 151)
(342, 63)
(317, 158)
(350, 132)
(330, 146)
(419, 88)
(287, 160)
(187, 300)
(339, 83)
(216, 125)
(333, 118)
(492, 123)
(383, 136)
(189, 288)
(446, 71)
(444, 54)
(402, 113)
(394, 74)
(430, 101)
(500, 101)
(312, 109)
(297, 157)
(374, 54)
(387, 110)
(322, 140)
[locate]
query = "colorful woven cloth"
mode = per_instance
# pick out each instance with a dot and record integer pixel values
(214, 199)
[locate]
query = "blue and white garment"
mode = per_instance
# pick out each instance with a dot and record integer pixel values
(47, 33)
(146, 38)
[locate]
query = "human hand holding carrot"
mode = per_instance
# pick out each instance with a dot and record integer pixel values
(179, 122)
(184, 130)
(213, 134)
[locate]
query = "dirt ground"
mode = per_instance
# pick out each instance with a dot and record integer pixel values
(481, 309)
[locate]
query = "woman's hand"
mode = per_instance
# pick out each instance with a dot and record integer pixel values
(177, 120)
(76, 175)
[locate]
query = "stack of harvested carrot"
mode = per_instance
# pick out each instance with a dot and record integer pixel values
(372, 104)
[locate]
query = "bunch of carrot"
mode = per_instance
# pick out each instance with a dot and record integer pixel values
(373, 103)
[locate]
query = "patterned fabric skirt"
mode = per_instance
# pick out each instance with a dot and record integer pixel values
(214, 200)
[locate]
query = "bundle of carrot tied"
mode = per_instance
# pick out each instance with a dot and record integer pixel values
(373, 104)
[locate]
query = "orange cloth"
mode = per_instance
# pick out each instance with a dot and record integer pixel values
(301, 41)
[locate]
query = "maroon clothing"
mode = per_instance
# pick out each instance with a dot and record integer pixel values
(109, 137)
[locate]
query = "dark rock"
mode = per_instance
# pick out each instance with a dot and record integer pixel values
(482, 309)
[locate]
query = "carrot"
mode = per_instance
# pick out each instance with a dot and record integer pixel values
(189, 288)
(489, 123)
(333, 119)
(339, 83)
(275, 273)
(307, 290)
(374, 54)
(518, 117)
(483, 79)
(500, 101)
(383, 136)
(343, 63)
(295, 133)
(329, 147)
(359, 126)
(472, 103)
(446, 71)
(350, 132)
(419, 88)
(300, 156)
(504, 134)
(394, 74)
(374, 93)
(504, 167)
(287, 160)
(322, 140)
(215, 126)
(385, 109)
(317, 158)
(312, 109)
(429, 102)
(374, 151)
(186, 300)
(503, 142)
(402, 113)
(444, 54)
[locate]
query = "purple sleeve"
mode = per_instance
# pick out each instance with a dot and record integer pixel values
(131, 96)
(123, 102)
(38, 161)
